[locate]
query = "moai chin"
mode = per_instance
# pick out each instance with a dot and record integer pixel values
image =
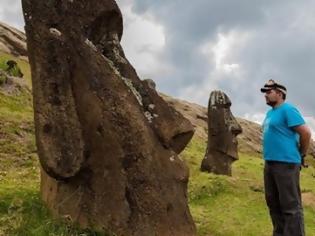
(222, 131)
(106, 141)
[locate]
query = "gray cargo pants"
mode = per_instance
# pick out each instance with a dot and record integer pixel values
(283, 197)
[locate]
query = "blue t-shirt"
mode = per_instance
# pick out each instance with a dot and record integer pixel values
(280, 141)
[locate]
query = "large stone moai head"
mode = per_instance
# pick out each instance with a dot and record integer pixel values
(106, 141)
(222, 131)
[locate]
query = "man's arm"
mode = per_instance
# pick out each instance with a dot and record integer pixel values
(305, 137)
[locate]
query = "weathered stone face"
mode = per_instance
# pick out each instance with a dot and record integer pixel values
(222, 131)
(107, 142)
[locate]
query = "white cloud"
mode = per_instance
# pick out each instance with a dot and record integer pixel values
(218, 52)
(255, 117)
(143, 39)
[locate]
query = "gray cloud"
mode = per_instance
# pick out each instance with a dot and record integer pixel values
(266, 39)
(278, 43)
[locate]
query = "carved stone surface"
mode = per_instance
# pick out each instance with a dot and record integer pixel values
(107, 142)
(222, 131)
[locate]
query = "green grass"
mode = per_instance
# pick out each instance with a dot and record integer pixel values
(22, 212)
(22, 64)
(235, 206)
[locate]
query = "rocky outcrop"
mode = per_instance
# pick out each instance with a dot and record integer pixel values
(107, 142)
(222, 131)
(11, 81)
(12, 41)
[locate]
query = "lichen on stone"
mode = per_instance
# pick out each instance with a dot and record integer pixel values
(55, 32)
(90, 44)
(151, 107)
(118, 57)
(149, 116)
(128, 82)
(111, 64)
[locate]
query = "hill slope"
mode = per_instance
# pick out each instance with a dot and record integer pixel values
(12, 41)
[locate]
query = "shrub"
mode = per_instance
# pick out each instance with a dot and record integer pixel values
(11, 67)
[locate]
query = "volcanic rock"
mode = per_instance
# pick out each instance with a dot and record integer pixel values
(107, 142)
(222, 131)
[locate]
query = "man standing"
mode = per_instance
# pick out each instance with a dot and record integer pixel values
(285, 142)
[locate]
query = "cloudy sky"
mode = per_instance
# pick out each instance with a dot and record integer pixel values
(190, 48)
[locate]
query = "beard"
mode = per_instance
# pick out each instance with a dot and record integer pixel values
(271, 103)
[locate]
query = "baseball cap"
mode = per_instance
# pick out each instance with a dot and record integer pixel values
(271, 84)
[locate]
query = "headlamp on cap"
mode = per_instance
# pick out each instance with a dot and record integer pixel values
(271, 84)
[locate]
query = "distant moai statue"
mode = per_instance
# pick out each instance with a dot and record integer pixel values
(106, 141)
(222, 131)
(150, 83)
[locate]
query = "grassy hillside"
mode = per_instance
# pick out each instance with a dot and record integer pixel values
(220, 205)
(235, 205)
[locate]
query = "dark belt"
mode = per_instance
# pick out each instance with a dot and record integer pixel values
(281, 162)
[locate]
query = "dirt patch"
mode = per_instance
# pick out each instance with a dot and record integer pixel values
(308, 199)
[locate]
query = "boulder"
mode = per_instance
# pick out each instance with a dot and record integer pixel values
(106, 141)
(12, 85)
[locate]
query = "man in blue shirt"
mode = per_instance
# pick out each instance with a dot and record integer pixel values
(285, 142)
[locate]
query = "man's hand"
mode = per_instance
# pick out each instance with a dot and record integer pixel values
(305, 137)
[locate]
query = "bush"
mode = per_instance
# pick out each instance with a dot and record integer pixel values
(11, 67)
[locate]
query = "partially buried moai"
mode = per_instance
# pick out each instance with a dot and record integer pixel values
(107, 142)
(222, 131)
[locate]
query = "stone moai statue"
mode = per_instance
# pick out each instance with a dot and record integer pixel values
(107, 142)
(222, 131)
(150, 83)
